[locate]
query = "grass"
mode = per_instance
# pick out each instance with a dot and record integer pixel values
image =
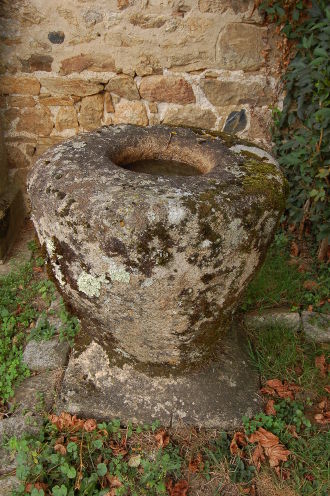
(25, 295)
(281, 281)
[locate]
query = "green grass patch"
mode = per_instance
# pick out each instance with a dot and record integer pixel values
(279, 283)
(25, 294)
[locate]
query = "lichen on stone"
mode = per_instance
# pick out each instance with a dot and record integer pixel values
(90, 285)
(118, 272)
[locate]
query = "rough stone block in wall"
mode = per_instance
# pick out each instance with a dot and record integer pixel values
(69, 67)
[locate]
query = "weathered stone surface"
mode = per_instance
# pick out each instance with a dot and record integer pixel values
(17, 425)
(316, 326)
(240, 46)
(108, 105)
(220, 6)
(123, 86)
(169, 89)
(78, 87)
(46, 355)
(37, 62)
(92, 17)
(8, 484)
(36, 121)
(176, 250)
(82, 62)
(19, 85)
(9, 117)
(272, 317)
(77, 63)
(66, 118)
(130, 113)
(190, 115)
(224, 92)
(147, 21)
(37, 393)
(16, 157)
(21, 101)
(217, 396)
(91, 112)
(8, 463)
(55, 101)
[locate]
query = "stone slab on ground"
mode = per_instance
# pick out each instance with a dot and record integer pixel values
(46, 355)
(37, 393)
(7, 484)
(18, 425)
(316, 326)
(271, 317)
(7, 462)
(217, 396)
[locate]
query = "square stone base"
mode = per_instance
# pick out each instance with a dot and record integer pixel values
(214, 397)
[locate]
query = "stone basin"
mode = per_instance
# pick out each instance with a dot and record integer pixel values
(153, 233)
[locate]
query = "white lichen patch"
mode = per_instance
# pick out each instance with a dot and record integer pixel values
(118, 272)
(176, 214)
(50, 247)
(78, 144)
(90, 285)
(253, 149)
(58, 274)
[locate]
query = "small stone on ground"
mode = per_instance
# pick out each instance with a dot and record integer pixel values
(316, 326)
(46, 355)
(271, 317)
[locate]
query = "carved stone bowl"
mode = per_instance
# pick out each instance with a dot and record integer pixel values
(153, 234)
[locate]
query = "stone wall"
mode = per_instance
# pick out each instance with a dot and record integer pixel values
(68, 67)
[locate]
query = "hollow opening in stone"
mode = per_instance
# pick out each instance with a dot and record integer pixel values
(162, 167)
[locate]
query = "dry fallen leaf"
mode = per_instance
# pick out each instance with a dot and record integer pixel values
(277, 454)
(237, 444)
(60, 448)
(178, 489)
(196, 464)
(320, 363)
(283, 389)
(258, 457)
(273, 449)
(90, 425)
(294, 249)
(162, 438)
(292, 430)
(269, 408)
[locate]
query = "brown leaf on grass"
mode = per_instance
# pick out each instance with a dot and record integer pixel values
(37, 485)
(265, 438)
(237, 444)
(294, 250)
(258, 457)
(178, 489)
(310, 308)
(113, 480)
(327, 389)
(310, 285)
(60, 448)
(90, 425)
(37, 269)
(162, 438)
(196, 464)
(269, 408)
(320, 363)
(65, 421)
(273, 449)
(277, 454)
(283, 389)
(292, 430)
(118, 448)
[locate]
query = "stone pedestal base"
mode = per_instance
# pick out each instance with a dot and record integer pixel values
(215, 397)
